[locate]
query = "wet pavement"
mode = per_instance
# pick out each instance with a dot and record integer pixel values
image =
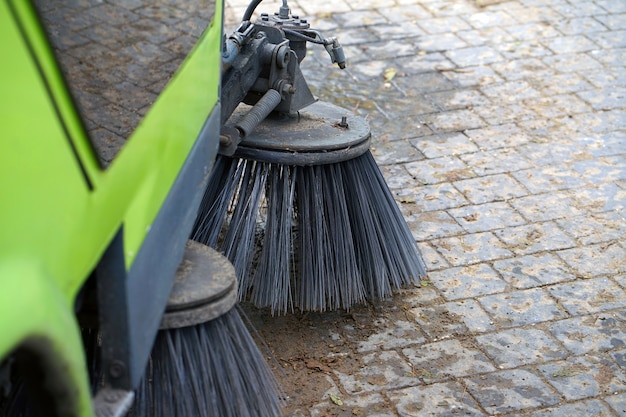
(501, 129)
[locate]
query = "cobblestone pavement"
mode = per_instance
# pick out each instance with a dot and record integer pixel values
(501, 129)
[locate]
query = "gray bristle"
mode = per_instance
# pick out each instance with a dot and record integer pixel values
(211, 369)
(331, 235)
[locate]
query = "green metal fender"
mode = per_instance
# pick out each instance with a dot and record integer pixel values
(58, 208)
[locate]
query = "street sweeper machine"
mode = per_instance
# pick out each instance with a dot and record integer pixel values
(129, 230)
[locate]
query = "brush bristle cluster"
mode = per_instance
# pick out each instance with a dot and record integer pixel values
(312, 238)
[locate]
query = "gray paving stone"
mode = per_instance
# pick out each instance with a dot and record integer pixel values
(585, 377)
(608, 99)
(532, 31)
(558, 106)
(582, 408)
(584, 260)
(523, 68)
(589, 296)
(453, 120)
(612, 143)
(495, 161)
(518, 347)
(498, 114)
(618, 403)
(486, 217)
(372, 404)
(510, 390)
(449, 24)
(572, 62)
(570, 44)
(595, 228)
(613, 21)
(487, 19)
(533, 238)
(511, 91)
(553, 152)
(432, 197)
(471, 249)
(444, 8)
(500, 136)
(435, 61)
(399, 151)
(444, 145)
(433, 171)
(392, 335)
(559, 83)
(485, 36)
(438, 322)
(467, 282)
(431, 225)
(396, 177)
(376, 371)
(440, 43)
(444, 399)
(520, 308)
(472, 76)
(433, 260)
(523, 49)
(447, 359)
(550, 178)
(582, 335)
(458, 99)
(533, 270)
(603, 169)
(620, 358)
(542, 207)
(477, 55)
(612, 39)
(581, 25)
(490, 188)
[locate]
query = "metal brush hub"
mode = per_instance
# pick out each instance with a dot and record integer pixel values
(322, 133)
(205, 287)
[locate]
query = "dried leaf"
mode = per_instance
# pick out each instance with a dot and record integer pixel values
(389, 74)
(336, 399)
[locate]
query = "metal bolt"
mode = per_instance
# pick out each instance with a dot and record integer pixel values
(344, 122)
(116, 369)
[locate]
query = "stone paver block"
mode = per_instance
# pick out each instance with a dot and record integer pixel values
(510, 390)
(473, 76)
(392, 335)
(533, 270)
(438, 322)
(476, 55)
(522, 307)
(467, 282)
(579, 378)
(582, 408)
(533, 238)
(584, 260)
(449, 24)
(612, 143)
(495, 161)
(470, 249)
(595, 228)
(432, 197)
(486, 36)
(549, 178)
(587, 334)
(542, 207)
(445, 399)
(445, 145)
(501, 136)
(518, 347)
(431, 225)
(604, 197)
(447, 359)
(431, 257)
(486, 189)
(485, 217)
(453, 120)
(589, 296)
(618, 403)
(551, 152)
(376, 371)
(387, 152)
(371, 404)
(444, 169)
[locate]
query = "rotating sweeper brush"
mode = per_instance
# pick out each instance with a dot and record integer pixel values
(296, 200)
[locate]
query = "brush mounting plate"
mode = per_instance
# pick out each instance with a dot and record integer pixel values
(322, 133)
(205, 287)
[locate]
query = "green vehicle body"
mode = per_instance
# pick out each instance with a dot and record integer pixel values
(59, 209)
